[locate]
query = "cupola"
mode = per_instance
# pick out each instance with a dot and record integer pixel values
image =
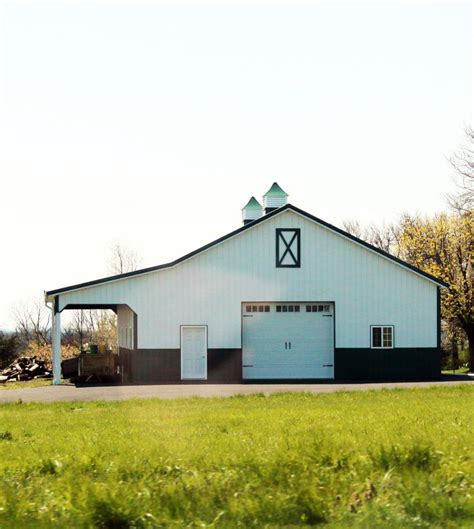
(251, 211)
(274, 198)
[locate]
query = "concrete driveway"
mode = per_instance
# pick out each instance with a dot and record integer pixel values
(69, 392)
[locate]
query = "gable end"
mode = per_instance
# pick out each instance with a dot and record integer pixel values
(236, 232)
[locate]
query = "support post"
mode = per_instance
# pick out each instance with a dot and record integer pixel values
(56, 339)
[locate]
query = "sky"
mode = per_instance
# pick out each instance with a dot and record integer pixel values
(151, 124)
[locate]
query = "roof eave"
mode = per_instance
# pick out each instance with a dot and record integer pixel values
(150, 269)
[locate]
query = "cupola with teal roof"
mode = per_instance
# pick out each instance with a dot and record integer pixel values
(252, 210)
(274, 198)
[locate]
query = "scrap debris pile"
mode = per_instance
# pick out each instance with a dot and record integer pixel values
(25, 368)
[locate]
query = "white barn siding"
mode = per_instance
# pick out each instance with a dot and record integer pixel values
(208, 289)
(125, 326)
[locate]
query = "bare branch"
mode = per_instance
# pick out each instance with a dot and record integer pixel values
(122, 260)
(463, 164)
(33, 322)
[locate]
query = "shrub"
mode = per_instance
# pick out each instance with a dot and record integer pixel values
(45, 352)
(8, 348)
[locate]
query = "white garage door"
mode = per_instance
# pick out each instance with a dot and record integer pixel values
(288, 340)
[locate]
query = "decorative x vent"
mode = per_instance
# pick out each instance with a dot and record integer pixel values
(288, 248)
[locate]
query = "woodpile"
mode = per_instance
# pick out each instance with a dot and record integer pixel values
(25, 368)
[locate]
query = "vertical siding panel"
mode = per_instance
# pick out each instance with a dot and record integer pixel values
(210, 287)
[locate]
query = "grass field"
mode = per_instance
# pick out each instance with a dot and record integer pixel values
(460, 371)
(381, 459)
(26, 384)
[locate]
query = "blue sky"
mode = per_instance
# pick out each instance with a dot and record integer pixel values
(151, 124)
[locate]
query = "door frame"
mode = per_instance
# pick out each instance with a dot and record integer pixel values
(181, 328)
(331, 302)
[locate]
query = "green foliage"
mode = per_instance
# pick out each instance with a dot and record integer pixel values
(443, 245)
(398, 459)
(414, 457)
(460, 371)
(8, 348)
(459, 361)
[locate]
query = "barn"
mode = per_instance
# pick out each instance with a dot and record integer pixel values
(286, 296)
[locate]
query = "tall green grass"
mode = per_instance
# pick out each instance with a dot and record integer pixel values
(383, 459)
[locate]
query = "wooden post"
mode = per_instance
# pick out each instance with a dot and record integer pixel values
(56, 339)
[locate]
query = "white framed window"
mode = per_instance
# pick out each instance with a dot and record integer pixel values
(381, 336)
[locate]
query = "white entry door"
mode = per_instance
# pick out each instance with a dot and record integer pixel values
(194, 352)
(288, 340)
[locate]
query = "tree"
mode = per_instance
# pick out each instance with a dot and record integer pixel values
(8, 348)
(463, 164)
(80, 328)
(444, 247)
(100, 326)
(385, 237)
(33, 323)
(122, 260)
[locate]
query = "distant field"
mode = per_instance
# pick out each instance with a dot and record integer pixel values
(382, 459)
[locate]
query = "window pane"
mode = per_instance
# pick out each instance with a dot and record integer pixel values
(297, 308)
(376, 337)
(315, 308)
(291, 308)
(387, 336)
(248, 308)
(285, 308)
(326, 308)
(320, 308)
(267, 308)
(308, 308)
(254, 308)
(260, 308)
(278, 308)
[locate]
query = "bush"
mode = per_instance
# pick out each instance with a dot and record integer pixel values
(45, 352)
(460, 360)
(8, 348)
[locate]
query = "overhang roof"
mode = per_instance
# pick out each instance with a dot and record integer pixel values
(248, 226)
